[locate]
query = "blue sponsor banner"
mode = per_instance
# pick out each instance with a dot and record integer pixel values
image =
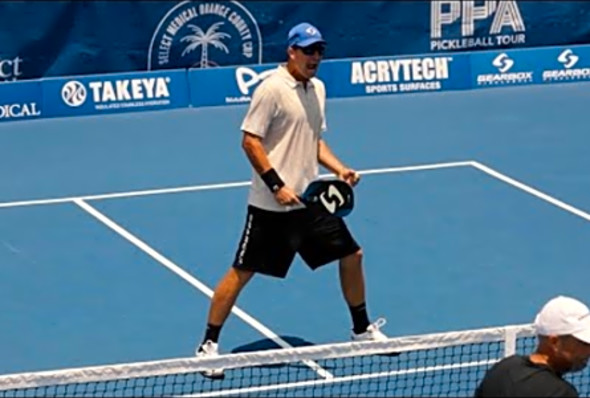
(563, 64)
(343, 78)
(357, 77)
(20, 101)
(503, 68)
(129, 92)
(395, 75)
(226, 86)
(530, 66)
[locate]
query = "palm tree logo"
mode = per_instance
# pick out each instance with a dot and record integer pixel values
(204, 39)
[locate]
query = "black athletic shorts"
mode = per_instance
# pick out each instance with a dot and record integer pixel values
(271, 239)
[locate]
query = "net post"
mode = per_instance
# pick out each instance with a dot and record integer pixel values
(510, 334)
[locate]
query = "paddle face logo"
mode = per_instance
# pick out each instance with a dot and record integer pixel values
(330, 197)
(201, 34)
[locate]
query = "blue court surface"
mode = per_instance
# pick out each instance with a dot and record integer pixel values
(472, 212)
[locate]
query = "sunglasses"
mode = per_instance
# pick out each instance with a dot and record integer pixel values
(311, 50)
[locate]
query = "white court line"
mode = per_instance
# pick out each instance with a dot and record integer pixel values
(193, 281)
(423, 167)
(532, 191)
(215, 186)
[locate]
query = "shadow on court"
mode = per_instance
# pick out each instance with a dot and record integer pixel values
(268, 344)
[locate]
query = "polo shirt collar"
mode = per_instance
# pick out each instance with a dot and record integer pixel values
(291, 81)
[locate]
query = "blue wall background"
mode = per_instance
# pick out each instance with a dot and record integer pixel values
(46, 39)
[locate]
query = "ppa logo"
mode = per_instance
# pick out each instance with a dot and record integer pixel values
(503, 62)
(201, 34)
(458, 25)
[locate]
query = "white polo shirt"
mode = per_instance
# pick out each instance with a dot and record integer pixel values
(290, 120)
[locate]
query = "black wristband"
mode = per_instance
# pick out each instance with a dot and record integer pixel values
(272, 180)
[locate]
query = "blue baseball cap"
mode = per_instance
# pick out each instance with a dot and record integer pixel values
(304, 35)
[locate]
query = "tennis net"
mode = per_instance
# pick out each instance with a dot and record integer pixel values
(440, 364)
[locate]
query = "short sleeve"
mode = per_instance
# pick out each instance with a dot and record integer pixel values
(260, 112)
(321, 93)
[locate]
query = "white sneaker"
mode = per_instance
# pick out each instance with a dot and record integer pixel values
(373, 333)
(207, 350)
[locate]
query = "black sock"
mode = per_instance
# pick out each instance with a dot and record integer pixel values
(360, 319)
(212, 333)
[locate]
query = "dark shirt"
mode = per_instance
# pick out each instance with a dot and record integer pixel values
(517, 376)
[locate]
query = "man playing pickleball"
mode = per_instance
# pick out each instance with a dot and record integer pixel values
(282, 138)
